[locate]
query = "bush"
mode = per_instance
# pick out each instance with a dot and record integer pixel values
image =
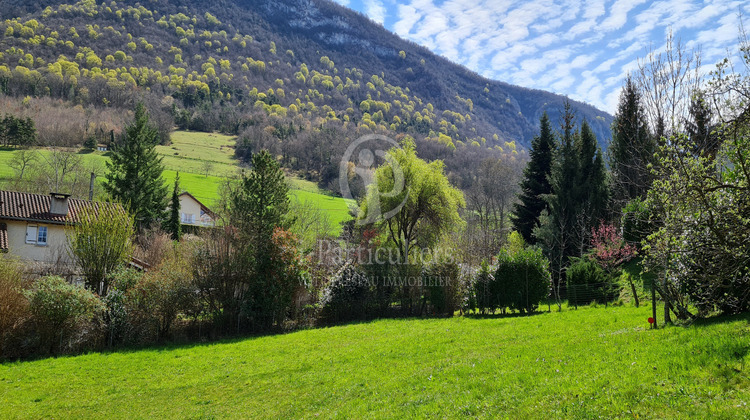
(116, 313)
(157, 298)
(66, 316)
(588, 282)
(522, 279)
(14, 307)
(345, 297)
(441, 280)
(482, 298)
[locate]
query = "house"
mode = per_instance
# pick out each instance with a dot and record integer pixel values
(32, 226)
(195, 213)
(101, 147)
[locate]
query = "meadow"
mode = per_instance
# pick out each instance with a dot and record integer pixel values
(204, 161)
(585, 363)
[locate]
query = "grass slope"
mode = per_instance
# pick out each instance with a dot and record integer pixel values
(576, 364)
(188, 154)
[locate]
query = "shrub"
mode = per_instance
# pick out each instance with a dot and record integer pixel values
(588, 282)
(157, 298)
(522, 279)
(116, 310)
(441, 281)
(383, 292)
(66, 316)
(100, 243)
(482, 298)
(345, 297)
(14, 307)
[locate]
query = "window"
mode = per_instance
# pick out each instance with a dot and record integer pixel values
(41, 237)
(188, 218)
(36, 235)
(31, 232)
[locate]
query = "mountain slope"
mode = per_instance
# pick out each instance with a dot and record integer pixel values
(311, 30)
(351, 37)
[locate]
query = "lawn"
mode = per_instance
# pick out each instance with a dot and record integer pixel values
(585, 363)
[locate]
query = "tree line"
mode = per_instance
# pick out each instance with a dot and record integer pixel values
(672, 193)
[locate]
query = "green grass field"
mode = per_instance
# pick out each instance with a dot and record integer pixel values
(188, 155)
(585, 363)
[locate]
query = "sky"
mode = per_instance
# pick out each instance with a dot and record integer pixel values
(580, 48)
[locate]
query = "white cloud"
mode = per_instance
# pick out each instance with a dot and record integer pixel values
(581, 48)
(408, 16)
(618, 14)
(375, 11)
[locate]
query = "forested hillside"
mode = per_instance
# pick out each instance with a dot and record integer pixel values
(299, 77)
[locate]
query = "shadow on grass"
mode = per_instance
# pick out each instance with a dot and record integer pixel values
(502, 316)
(162, 347)
(166, 347)
(720, 319)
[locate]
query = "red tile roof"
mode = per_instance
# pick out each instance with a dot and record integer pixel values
(3, 237)
(35, 208)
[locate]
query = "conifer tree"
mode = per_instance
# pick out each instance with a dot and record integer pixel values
(564, 201)
(632, 148)
(261, 203)
(535, 184)
(579, 195)
(173, 225)
(134, 172)
(592, 187)
(700, 127)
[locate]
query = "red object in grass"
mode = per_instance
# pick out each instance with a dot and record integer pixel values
(650, 320)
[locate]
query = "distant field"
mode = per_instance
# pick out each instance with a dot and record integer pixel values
(585, 363)
(188, 155)
(190, 151)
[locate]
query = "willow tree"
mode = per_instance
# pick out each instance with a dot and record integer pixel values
(412, 200)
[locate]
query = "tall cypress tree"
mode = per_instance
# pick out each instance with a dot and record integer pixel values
(535, 184)
(593, 191)
(564, 201)
(593, 174)
(173, 225)
(632, 148)
(134, 172)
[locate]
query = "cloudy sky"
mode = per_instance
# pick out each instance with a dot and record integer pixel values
(580, 48)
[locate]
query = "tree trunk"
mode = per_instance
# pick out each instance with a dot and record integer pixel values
(635, 294)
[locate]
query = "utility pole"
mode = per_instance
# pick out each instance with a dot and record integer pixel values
(91, 187)
(653, 303)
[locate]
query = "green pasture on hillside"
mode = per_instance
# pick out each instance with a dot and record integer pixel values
(585, 363)
(188, 154)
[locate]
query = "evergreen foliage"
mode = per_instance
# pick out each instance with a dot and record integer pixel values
(260, 202)
(587, 282)
(134, 176)
(535, 185)
(522, 279)
(632, 148)
(701, 128)
(17, 131)
(173, 224)
(579, 196)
